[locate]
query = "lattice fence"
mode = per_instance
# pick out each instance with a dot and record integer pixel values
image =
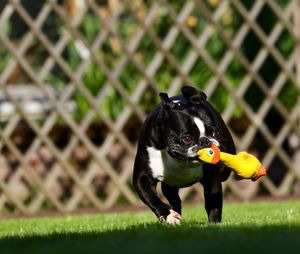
(77, 79)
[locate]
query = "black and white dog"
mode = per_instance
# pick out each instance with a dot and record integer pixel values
(169, 140)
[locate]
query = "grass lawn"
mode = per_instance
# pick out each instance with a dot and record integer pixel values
(272, 227)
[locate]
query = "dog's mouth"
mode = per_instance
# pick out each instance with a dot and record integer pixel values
(186, 158)
(190, 156)
(176, 154)
(195, 160)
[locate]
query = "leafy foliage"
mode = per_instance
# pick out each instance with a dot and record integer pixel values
(113, 50)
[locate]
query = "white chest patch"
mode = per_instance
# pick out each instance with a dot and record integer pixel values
(174, 173)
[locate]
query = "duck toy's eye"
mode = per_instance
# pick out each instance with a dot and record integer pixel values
(210, 152)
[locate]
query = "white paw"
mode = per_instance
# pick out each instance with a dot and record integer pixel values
(173, 218)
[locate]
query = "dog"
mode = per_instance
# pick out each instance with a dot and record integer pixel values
(167, 152)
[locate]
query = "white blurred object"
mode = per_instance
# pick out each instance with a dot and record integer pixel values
(33, 101)
(294, 141)
(83, 51)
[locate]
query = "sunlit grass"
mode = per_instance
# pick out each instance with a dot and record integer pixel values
(254, 227)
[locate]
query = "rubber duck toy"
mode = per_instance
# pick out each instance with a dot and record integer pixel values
(245, 165)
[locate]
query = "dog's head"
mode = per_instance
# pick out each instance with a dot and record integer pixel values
(187, 124)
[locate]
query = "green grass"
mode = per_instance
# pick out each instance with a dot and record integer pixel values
(272, 227)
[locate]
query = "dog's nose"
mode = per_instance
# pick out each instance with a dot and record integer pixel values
(204, 142)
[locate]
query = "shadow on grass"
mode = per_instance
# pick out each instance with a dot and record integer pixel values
(156, 238)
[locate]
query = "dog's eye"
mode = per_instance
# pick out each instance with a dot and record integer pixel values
(216, 135)
(187, 139)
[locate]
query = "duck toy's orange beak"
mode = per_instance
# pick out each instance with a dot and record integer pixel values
(209, 155)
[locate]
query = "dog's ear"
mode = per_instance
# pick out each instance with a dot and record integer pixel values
(193, 95)
(164, 98)
(167, 105)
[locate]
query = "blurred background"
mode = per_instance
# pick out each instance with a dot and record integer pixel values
(78, 78)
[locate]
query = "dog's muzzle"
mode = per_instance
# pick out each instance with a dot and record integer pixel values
(204, 142)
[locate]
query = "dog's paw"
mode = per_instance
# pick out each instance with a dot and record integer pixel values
(173, 218)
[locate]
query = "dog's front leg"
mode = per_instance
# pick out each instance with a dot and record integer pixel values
(213, 201)
(146, 189)
(172, 195)
(213, 195)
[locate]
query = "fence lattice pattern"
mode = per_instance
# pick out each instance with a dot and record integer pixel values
(69, 137)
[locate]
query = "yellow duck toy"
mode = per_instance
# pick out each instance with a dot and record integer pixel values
(245, 165)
